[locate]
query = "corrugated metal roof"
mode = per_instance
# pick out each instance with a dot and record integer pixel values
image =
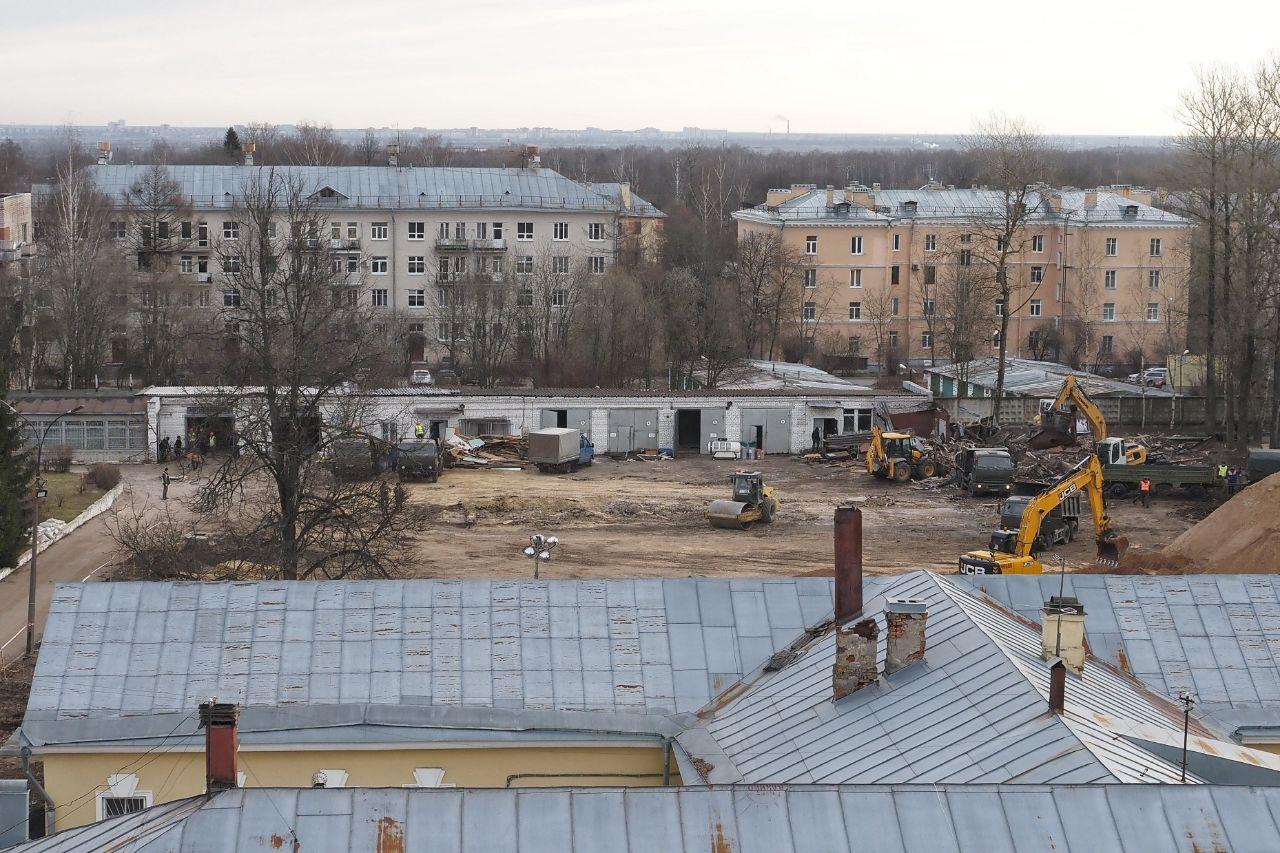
(115, 651)
(39, 403)
(1027, 378)
(792, 819)
(1210, 635)
(974, 711)
(613, 190)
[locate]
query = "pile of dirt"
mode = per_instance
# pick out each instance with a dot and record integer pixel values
(1242, 535)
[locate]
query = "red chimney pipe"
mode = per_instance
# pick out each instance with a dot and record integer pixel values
(848, 562)
(221, 744)
(1057, 686)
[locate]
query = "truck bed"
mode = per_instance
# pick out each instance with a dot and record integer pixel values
(1181, 476)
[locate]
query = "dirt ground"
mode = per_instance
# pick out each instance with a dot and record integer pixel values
(641, 519)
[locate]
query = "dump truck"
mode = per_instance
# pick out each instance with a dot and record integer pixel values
(1194, 480)
(560, 450)
(418, 460)
(985, 470)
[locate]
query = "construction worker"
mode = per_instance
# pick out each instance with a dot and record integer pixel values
(817, 438)
(213, 442)
(164, 485)
(419, 432)
(1144, 492)
(1222, 471)
(1233, 480)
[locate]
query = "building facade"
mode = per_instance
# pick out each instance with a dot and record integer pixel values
(1098, 276)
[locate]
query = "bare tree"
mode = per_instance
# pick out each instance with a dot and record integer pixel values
(769, 280)
(368, 150)
(314, 145)
(877, 311)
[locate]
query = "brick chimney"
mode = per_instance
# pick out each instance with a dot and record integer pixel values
(848, 546)
(393, 154)
(1062, 631)
(624, 194)
(1057, 686)
(1091, 199)
(104, 153)
(831, 196)
(221, 743)
(247, 150)
(855, 665)
(905, 618)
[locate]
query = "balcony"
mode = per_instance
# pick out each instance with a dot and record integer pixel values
(452, 244)
(204, 277)
(496, 245)
(344, 244)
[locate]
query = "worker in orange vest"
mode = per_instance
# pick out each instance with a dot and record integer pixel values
(1144, 492)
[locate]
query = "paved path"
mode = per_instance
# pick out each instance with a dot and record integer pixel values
(83, 555)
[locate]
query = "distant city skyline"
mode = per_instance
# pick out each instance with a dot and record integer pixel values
(831, 66)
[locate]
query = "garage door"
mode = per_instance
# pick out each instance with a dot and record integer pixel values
(632, 429)
(712, 427)
(773, 426)
(579, 419)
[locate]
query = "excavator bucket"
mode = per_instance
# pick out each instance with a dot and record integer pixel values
(1051, 437)
(1111, 549)
(728, 515)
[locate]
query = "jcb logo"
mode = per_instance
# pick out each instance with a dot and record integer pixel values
(1070, 490)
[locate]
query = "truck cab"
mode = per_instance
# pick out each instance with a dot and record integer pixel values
(1117, 451)
(586, 451)
(988, 470)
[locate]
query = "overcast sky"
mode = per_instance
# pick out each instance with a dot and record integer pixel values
(1078, 66)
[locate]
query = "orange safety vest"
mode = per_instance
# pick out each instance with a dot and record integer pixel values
(1144, 485)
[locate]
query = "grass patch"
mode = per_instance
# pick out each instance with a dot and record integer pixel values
(68, 496)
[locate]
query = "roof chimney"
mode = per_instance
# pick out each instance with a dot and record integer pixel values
(624, 194)
(905, 618)
(1057, 686)
(1091, 199)
(1062, 631)
(532, 160)
(104, 153)
(831, 196)
(221, 743)
(248, 148)
(855, 665)
(393, 154)
(848, 546)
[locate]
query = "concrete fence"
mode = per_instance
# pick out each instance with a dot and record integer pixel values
(1139, 412)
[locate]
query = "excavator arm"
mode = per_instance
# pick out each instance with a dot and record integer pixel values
(1058, 427)
(1086, 476)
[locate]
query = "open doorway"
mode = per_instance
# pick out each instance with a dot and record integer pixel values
(827, 426)
(689, 430)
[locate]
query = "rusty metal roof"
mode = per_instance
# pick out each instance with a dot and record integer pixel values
(777, 819)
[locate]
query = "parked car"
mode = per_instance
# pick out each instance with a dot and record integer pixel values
(421, 376)
(1152, 377)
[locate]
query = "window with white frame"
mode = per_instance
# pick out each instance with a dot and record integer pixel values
(894, 304)
(1108, 311)
(482, 230)
(335, 230)
(524, 297)
(893, 340)
(118, 230)
(560, 264)
(231, 263)
(595, 231)
(1157, 247)
(811, 277)
(999, 307)
(811, 244)
(897, 242)
(417, 265)
(931, 242)
(459, 230)
(560, 231)
(418, 230)
(444, 297)
(524, 231)
(524, 265)
(595, 264)
(1035, 308)
(1037, 275)
(1109, 280)
(202, 299)
(559, 297)
(855, 278)
(1037, 242)
(378, 297)
(1113, 247)
(378, 265)
(855, 245)
(810, 311)
(122, 796)
(187, 264)
(353, 263)
(855, 310)
(353, 230)
(202, 234)
(1153, 311)
(497, 230)
(1108, 343)
(442, 230)
(966, 238)
(417, 299)
(378, 231)
(231, 230)
(926, 340)
(230, 299)
(1153, 279)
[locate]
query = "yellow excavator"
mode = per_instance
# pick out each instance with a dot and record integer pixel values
(1058, 427)
(752, 501)
(899, 456)
(1014, 552)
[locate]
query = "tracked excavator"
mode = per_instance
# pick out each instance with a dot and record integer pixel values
(1015, 552)
(752, 501)
(1058, 427)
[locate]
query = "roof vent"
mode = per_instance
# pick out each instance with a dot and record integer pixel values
(909, 208)
(1062, 631)
(1130, 211)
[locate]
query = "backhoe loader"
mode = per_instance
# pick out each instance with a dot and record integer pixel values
(1016, 552)
(900, 456)
(1058, 427)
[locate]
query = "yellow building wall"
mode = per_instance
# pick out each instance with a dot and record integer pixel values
(74, 780)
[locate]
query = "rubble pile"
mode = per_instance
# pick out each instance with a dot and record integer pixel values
(486, 451)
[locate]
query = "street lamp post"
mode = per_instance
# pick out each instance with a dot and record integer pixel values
(539, 550)
(38, 492)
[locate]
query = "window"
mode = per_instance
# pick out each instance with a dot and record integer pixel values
(202, 299)
(930, 242)
(269, 297)
(810, 311)
(999, 307)
(966, 238)
(995, 339)
(1113, 247)
(524, 231)
(417, 299)
(927, 307)
(122, 796)
(497, 230)
(595, 264)
(855, 278)
(1037, 242)
(811, 244)
(378, 297)
(1036, 308)
(418, 230)
(524, 265)
(897, 242)
(811, 277)
(187, 264)
(202, 234)
(1033, 339)
(230, 299)
(118, 230)
(1108, 343)
(524, 298)
(353, 230)
(231, 263)
(893, 340)
(966, 257)
(1153, 311)
(378, 231)
(482, 230)
(1037, 275)
(595, 231)
(559, 297)
(231, 230)
(1156, 247)
(495, 265)
(443, 297)
(894, 274)
(335, 230)
(459, 230)
(855, 245)
(1153, 279)
(417, 265)
(560, 264)
(560, 231)
(184, 230)
(894, 304)
(1108, 311)
(378, 265)
(1109, 280)
(926, 340)
(353, 263)
(855, 310)
(930, 275)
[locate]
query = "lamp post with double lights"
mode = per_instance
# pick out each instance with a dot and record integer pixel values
(539, 550)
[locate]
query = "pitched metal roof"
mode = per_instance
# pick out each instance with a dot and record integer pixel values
(974, 711)
(409, 187)
(1030, 378)
(613, 190)
(119, 652)
(790, 819)
(1209, 635)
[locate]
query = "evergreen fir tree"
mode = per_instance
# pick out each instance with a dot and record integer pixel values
(17, 467)
(231, 142)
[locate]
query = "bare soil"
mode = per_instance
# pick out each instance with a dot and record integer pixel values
(645, 519)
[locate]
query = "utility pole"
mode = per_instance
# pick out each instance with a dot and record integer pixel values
(1187, 701)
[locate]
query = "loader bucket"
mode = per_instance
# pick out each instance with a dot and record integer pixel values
(1111, 549)
(727, 514)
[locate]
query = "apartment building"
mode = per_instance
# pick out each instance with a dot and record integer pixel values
(17, 230)
(406, 233)
(1100, 275)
